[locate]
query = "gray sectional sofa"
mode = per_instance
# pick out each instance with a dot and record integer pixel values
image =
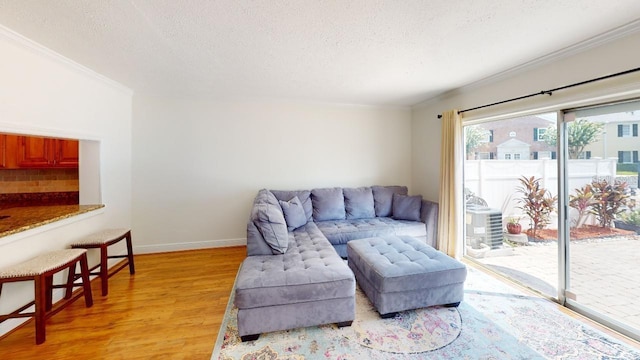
(294, 274)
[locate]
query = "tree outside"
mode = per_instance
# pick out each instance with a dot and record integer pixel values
(473, 136)
(580, 134)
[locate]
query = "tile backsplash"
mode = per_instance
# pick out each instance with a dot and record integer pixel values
(16, 181)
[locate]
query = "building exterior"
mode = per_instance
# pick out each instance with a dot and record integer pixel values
(520, 138)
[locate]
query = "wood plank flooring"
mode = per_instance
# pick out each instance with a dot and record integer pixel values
(171, 308)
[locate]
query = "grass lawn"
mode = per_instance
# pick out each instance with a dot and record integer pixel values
(620, 172)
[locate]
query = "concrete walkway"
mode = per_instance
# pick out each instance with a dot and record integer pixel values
(605, 274)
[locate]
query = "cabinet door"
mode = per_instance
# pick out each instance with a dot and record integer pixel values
(34, 152)
(8, 151)
(67, 153)
(3, 151)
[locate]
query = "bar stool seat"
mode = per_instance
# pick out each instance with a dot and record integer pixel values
(102, 240)
(41, 270)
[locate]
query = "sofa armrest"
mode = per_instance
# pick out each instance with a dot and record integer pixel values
(429, 216)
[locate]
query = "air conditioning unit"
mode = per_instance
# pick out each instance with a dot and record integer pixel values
(485, 224)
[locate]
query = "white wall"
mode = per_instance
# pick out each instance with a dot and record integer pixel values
(574, 66)
(198, 164)
(42, 93)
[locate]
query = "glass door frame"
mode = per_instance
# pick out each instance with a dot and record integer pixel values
(565, 296)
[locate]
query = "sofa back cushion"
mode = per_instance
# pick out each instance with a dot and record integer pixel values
(303, 195)
(383, 198)
(359, 203)
(407, 207)
(293, 213)
(267, 216)
(328, 204)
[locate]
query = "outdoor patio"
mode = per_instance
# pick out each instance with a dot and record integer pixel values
(604, 273)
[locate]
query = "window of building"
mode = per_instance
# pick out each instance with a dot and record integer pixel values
(507, 156)
(538, 134)
(627, 157)
(484, 156)
(585, 155)
(488, 137)
(516, 156)
(544, 154)
(627, 130)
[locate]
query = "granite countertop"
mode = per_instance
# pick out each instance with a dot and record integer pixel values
(28, 217)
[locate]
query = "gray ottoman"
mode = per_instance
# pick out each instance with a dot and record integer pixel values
(400, 273)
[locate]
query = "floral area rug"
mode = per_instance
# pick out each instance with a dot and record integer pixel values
(495, 321)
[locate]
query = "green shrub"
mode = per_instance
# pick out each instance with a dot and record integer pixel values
(631, 217)
(627, 168)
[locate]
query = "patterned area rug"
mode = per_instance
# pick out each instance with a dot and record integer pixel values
(495, 321)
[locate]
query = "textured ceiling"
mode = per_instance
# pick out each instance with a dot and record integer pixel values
(395, 52)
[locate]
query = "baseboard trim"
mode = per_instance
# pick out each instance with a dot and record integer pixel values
(159, 248)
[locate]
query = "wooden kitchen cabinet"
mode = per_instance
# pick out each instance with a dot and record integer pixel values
(39, 152)
(8, 147)
(3, 151)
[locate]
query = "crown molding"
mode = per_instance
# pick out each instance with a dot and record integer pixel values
(593, 42)
(37, 48)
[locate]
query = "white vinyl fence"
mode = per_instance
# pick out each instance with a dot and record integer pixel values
(496, 181)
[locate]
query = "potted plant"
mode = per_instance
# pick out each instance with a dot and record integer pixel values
(513, 225)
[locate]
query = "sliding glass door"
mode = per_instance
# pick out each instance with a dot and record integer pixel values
(552, 202)
(510, 180)
(603, 277)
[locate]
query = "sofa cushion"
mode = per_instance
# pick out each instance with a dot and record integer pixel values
(358, 203)
(407, 207)
(342, 231)
(303, 195)
(328, 204)
(383, 198)
(293, 213)
(269, 219)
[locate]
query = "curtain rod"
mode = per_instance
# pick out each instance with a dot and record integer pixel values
(549, 92)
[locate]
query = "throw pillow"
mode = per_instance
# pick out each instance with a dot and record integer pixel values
(383, 198)
(303, 195)
(358, 203)
(293, 213)
(269, 219)
(328, 204)
(407, 207)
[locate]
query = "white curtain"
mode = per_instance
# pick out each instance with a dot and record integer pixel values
(451, 159)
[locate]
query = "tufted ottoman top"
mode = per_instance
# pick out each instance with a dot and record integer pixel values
(310, 270)
(402, 263)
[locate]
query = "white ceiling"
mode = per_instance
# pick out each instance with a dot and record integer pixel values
(395, 52)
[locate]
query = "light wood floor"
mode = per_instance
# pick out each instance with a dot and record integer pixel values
(170, 309)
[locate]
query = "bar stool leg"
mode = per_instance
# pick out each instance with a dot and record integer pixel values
(86, 285)
(48, 283)
(40, 303)
(104, 270)
(71, 277)
(132, 268)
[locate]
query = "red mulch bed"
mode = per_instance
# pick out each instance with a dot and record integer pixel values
(585, 232)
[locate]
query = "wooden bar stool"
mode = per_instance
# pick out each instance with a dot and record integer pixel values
(102, 240)
(41, 270)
